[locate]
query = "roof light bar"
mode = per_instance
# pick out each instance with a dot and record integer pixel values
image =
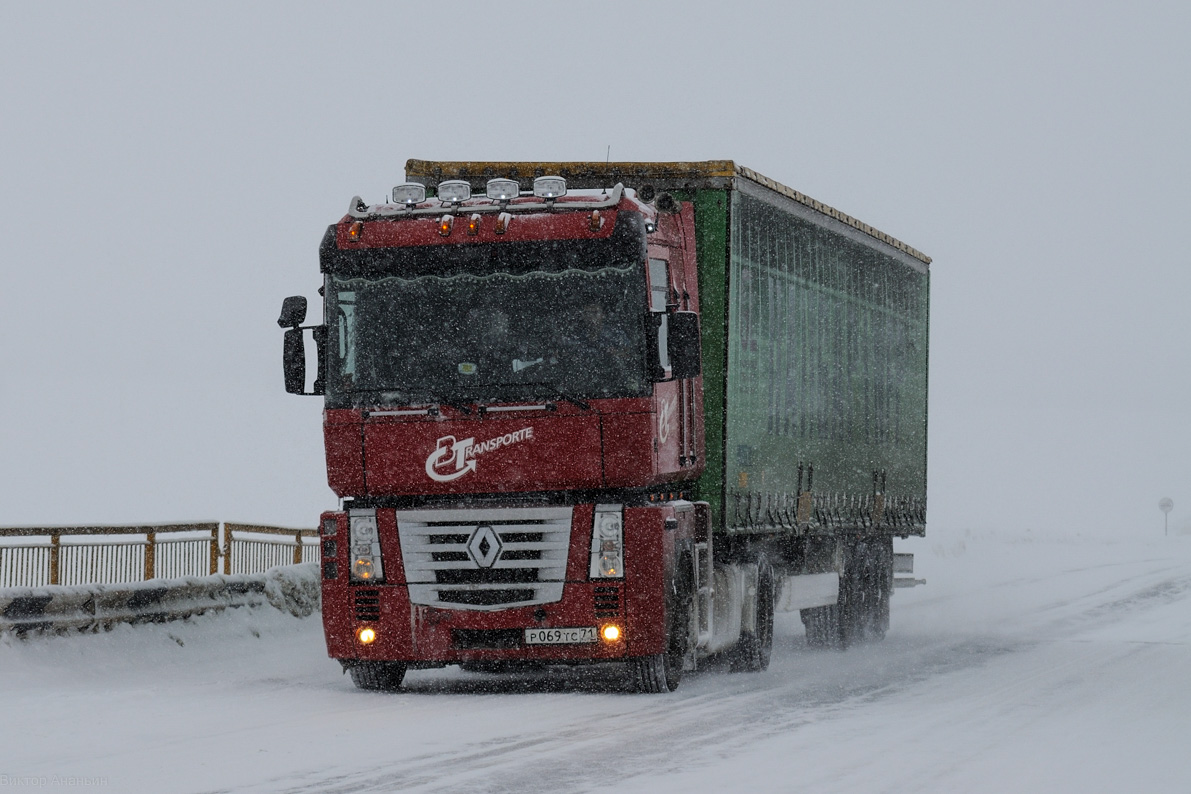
(454, 191)
(409, 194)
(549, 187)
(502, 189)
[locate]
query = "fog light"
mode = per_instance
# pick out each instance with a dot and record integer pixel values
(366, 636)
(610, 633)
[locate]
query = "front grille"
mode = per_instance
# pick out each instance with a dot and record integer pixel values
(367, 605)
(607, 601)
(474, 639)
(485, 598)
(452, 561)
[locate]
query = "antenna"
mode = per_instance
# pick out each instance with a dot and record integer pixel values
(607, 160)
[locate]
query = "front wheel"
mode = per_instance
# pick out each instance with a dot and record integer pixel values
(655, 674)
(378, 676)
(662, 672)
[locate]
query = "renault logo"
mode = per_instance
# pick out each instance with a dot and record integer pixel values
(484, 546)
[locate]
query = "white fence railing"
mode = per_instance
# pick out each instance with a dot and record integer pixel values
(38, 556)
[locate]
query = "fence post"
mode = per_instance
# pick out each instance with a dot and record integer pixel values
(298, 547)
(55, 540)
(215, 549)
(227, 550)
(150, 554)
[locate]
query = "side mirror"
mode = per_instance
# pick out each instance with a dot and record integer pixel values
(293, 351)
(293, 360)
(683, 341)
(293, 312)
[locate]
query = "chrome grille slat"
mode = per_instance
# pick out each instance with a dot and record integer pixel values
(449, 565)
(539, 541)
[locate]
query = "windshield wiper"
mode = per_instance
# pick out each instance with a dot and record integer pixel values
(458, 405)
(575, 401)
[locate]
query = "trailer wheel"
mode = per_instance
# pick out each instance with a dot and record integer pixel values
(870, 581)
(754, 649)
(824, 629)
(862, 612)
(662, 672)
(378, 676)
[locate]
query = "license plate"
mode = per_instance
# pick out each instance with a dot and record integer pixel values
(560, 636)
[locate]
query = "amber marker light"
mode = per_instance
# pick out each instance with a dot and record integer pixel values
(610, 633)
(444, 225)
(356, 232)
(473, 225)
(595, 221)
(366, 636)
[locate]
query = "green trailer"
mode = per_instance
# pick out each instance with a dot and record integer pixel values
(815, 365)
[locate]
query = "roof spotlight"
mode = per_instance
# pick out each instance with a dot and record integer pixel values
(503, 189)
(549, 187)
(409, 194)
(454, 191)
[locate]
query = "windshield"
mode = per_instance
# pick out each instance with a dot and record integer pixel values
(513, 321)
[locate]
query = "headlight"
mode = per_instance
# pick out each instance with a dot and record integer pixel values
(607, 543)
(365, 547)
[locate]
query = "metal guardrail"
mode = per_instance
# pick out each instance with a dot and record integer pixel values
(75, 555)
(88, 608)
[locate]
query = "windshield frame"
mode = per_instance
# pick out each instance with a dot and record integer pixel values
(623, 254)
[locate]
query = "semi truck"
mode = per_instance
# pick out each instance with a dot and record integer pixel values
(584, 413)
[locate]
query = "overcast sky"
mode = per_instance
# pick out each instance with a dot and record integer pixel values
(167, 171)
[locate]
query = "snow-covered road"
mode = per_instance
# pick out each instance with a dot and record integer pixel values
(1054, 663)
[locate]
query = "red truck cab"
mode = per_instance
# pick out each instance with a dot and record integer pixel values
(513, 417)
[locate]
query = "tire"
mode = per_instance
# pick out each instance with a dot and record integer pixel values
(654, 674)
(753, 651)
(862, 612)
(870, 582)
(662, 672)
(824, 627)
(378, 676)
